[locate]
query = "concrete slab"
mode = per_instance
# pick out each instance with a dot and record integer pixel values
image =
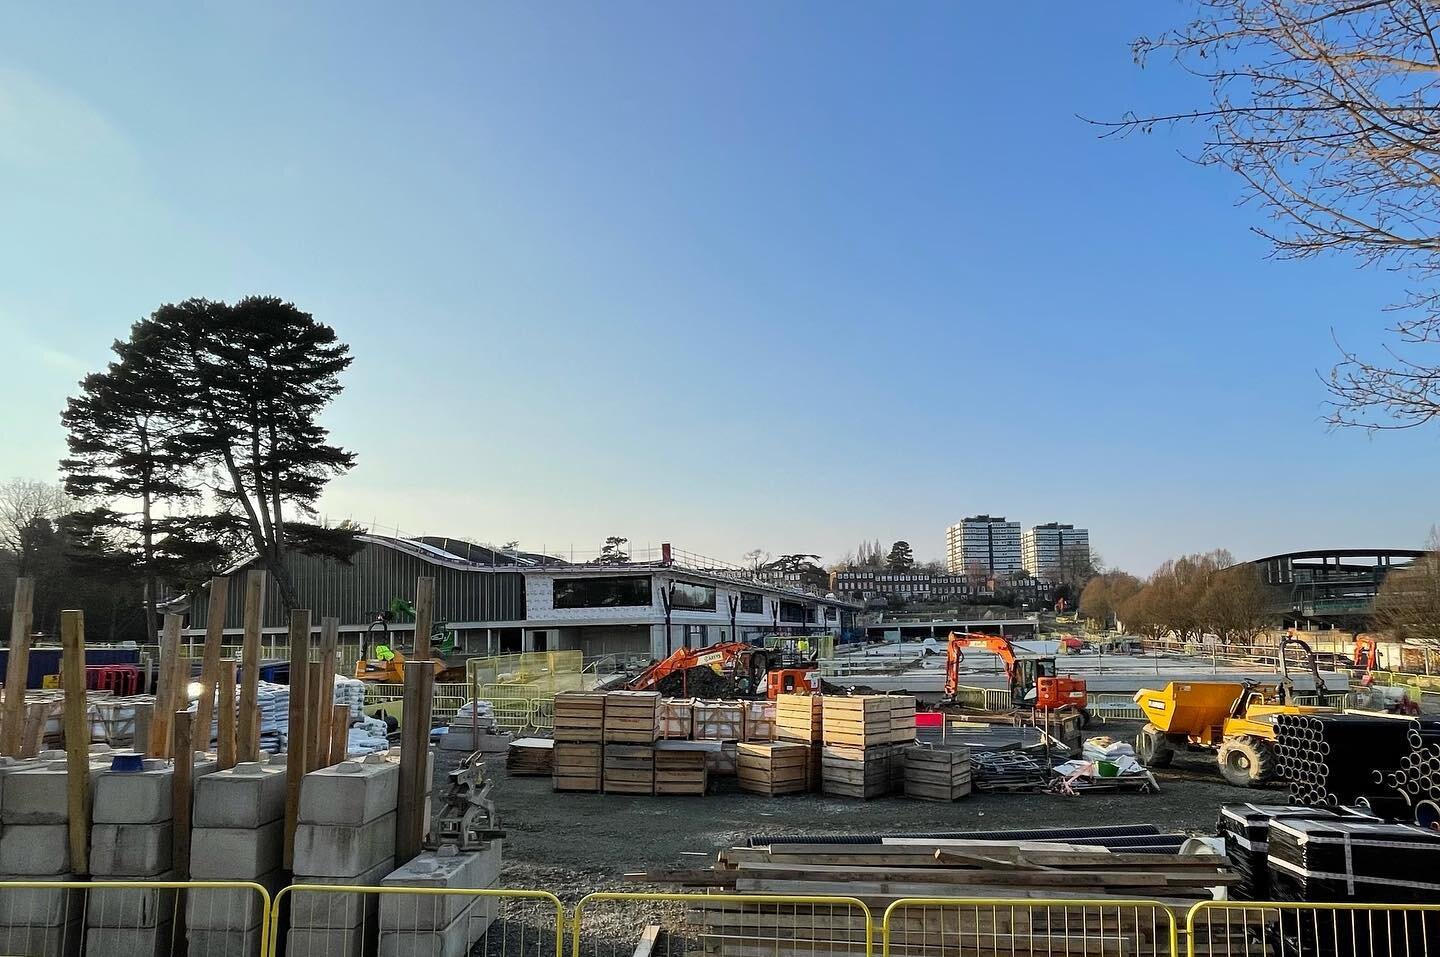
(130, 850)
(328, 850)
(327, 942)
(248, 795)
(472, 869)
(42, 907)
(226, 943)
(316, 909)
(35, 850)
(229, 908)
(351, 793)
(236, 853)
(137, 906)
(62, 941)
(130, 941)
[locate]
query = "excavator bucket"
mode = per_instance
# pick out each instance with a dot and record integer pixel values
(1190, 708)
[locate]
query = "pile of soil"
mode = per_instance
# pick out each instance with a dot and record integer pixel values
(701, 682)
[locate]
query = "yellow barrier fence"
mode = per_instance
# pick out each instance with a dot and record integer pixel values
(1240, 928)
(549, 671)
(941, 927)
(720, 925)
(322, 920)
(45, 918)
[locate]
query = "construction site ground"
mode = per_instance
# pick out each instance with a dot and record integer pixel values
(575, 843)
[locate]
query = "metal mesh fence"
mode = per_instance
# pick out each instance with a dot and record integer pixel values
(1225, 928)
(951, 928)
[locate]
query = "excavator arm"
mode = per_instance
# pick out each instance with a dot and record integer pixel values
(955, 653)
(731, 656)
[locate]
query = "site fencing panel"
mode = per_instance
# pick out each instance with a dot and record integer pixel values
(1107, 705)
(1242, 929)
(941, 927)
(548, 671)
(322, 920)
(44, 918)
(720, 925)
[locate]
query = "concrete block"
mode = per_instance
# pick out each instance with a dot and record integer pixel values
(130, 850)
(329, 942)
(247, 795)
(137, 906)
(61, 941)
(37, 795)
(316, 909)
(229, 908)
(226, 943)
(329, 850)
(351, 793)
(130, 941)
(36, 850)
(140, 797)
(40, 906)
(236, 853)
(470, 869)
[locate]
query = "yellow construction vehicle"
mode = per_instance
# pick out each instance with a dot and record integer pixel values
(1235, 719)
(381, 663)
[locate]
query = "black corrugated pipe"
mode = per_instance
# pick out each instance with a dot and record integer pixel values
(1067, 834)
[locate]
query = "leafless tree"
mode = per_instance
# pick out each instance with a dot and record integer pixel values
(1329, 110)
(1237, 605)
(1105, 594)
(1408, 605)
(24, 502)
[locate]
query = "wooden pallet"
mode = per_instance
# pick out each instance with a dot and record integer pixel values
(932, 774)
(580, 717)
(632, 717)
(782, 767)
(576, 766)
(531, 757)
(681, 767)
(629, 769)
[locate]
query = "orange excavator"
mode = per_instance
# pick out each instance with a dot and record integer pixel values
(1033, 680)
(747, 665)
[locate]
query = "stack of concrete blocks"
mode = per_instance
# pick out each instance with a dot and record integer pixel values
(238, 835)
(36, 921)
(474, 728)
(440, 925)
(132, 837)
(344, 835)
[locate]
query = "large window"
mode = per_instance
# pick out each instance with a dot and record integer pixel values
(751, 603)
(610, 591)
(692, 597)
(792, 611)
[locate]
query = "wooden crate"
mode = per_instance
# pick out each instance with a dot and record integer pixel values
(798, 717)
(902, 719)
(722, 761)
(719, 721)
(577, 766)
(858, 721)
(681, 767)
(782, 767)
(580, 717)
(676, 718)
(935, 775)
(760, 720)
(531, 756)
(632, 717)
(629, 769)
(857, 772)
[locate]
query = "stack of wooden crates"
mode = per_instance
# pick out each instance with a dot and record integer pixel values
(632, 726)
(579, 741)
(798, 718)
(863, 741)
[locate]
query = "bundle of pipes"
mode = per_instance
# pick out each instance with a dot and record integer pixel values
(1387, 765)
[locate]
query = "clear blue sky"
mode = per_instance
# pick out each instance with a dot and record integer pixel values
(730, 275)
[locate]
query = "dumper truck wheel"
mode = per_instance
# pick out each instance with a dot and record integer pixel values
(1247, 761)
(1153, 748)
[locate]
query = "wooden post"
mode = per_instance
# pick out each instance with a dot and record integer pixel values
(144, 712)
(77, 738)
(315, 711)
(181, 791)
(225, 737)
(17, 669)
(165, 691)
(247, 743)
(339, 733)
(298, 738)
(415, 731)
(210, 663)
(329, 640)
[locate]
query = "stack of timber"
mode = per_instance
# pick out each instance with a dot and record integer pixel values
(879, 874)
(681, 767)
(781, 767)
(629, 769)
(631, 717)
(933, 774)
(580, 717)
(531, 756)
(577, 766)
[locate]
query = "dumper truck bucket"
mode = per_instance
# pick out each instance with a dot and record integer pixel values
(1190, 708)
